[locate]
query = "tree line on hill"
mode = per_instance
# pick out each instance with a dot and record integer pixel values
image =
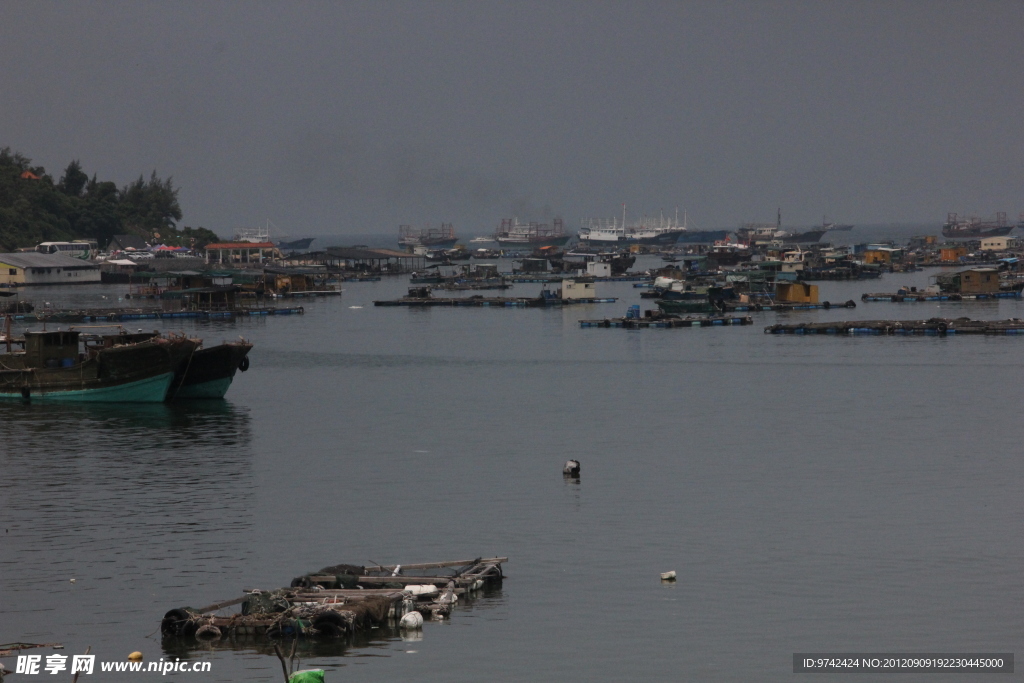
(34, 208)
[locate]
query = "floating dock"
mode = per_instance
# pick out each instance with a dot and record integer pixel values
(920, 297)
(668, 322)
(93, 316)
(524, 302)
(933, 326)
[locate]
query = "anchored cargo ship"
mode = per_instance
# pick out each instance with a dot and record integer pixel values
(974, 228)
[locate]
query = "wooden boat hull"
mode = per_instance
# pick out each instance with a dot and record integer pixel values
(209, 372)
(149, 390)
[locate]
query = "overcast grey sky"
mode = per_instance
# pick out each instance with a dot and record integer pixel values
(354, 117)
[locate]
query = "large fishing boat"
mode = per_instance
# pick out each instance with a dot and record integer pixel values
(974, 228)
(512, 233)
(51, 368)
(198, 372)
(655, 231)
(435, 238)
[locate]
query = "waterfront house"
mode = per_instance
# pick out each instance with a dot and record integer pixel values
(27, 268)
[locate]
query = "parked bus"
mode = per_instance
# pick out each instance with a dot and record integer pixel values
(82, 249)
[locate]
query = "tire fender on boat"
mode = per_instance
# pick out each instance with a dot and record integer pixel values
(243, 365)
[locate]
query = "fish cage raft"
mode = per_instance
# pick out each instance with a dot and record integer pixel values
(338, 601)
(932, 326)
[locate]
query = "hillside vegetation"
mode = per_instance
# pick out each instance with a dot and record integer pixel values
(34, 208)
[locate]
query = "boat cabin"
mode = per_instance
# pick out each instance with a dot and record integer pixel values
(51, 349)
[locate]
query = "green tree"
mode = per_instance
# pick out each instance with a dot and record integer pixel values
(149, 207)
(74, 180)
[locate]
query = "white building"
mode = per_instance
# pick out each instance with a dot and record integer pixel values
(27, 268)
(998, 243)
(572, 289)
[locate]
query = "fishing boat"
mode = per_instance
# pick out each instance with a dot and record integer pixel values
(974, 228)
(52, 368)
(198, 372)
(512, 233)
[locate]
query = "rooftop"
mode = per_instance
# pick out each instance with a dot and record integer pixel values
(29, 259)
(240, 245)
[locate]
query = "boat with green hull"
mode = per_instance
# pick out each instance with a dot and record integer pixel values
(51, 368)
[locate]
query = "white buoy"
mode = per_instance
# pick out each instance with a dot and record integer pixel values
(412, 621)
(571, 468)
(668, 576)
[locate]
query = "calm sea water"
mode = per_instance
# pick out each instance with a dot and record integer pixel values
(813, 493)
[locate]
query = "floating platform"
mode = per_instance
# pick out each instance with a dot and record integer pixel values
(589, 278)
(507, 302)
(932, 326)
(920, 297)
(93, 316)
(673, 306)
(309, 294)
(469, 286)
(668, 322)
(784, 306)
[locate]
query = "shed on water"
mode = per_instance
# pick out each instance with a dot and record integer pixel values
(796, 292)
(979, 281)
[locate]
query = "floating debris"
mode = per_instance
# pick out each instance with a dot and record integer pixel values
(932, 326)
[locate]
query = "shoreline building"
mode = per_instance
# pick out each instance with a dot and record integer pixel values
(27, 268)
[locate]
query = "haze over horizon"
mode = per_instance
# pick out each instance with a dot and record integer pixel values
(337, 119)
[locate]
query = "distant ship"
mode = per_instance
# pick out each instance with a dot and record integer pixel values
(752, 233)
(975, 228)
(512, 233)
(435, 238)
(702, 236)
(834, 227)
(296, 244)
